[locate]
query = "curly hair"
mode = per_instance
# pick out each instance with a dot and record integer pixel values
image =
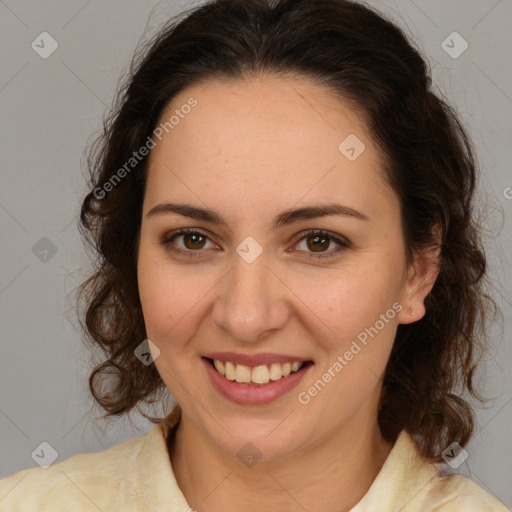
(367, 60)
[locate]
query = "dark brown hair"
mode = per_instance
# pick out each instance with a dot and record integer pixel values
(368, 61)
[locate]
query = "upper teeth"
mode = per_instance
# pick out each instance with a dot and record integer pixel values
(259, 374)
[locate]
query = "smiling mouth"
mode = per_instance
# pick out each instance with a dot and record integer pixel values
(257, 375)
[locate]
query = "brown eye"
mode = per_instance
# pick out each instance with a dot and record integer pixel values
(318, 243)
(188, 242)
(322, 244)
(194, 241)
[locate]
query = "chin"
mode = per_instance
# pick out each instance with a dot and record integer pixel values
(255, 440)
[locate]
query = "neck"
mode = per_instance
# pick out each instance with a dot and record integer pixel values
(331, 476)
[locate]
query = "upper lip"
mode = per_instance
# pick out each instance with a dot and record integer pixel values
(253, 360)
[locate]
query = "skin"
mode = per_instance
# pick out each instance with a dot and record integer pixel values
(249, 150)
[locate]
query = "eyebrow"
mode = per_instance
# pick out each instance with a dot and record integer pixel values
(284, 218)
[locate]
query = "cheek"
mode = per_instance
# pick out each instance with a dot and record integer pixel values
(171, 300)
(354, 339)
(156, 296)
(345, 303)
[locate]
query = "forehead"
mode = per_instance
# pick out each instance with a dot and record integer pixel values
(271, 135)
(292, 111)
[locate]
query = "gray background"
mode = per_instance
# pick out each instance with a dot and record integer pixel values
(49, 109)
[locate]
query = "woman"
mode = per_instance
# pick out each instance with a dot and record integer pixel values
(282, 211)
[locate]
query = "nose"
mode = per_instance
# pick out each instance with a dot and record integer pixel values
(252, 301)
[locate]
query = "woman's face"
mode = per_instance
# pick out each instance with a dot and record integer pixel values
(263, 272)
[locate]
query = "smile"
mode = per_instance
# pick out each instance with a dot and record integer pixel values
(255, 385)
(259, 375)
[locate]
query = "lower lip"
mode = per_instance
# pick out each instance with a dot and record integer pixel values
(254, 395)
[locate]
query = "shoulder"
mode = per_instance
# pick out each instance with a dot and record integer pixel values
(409, 482)
(82, 480)
(457, 493)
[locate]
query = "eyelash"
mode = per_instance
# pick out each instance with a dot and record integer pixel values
(342, 244)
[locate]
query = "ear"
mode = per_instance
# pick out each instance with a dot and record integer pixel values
(421, 276)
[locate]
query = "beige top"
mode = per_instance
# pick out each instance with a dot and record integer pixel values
(137, 476)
